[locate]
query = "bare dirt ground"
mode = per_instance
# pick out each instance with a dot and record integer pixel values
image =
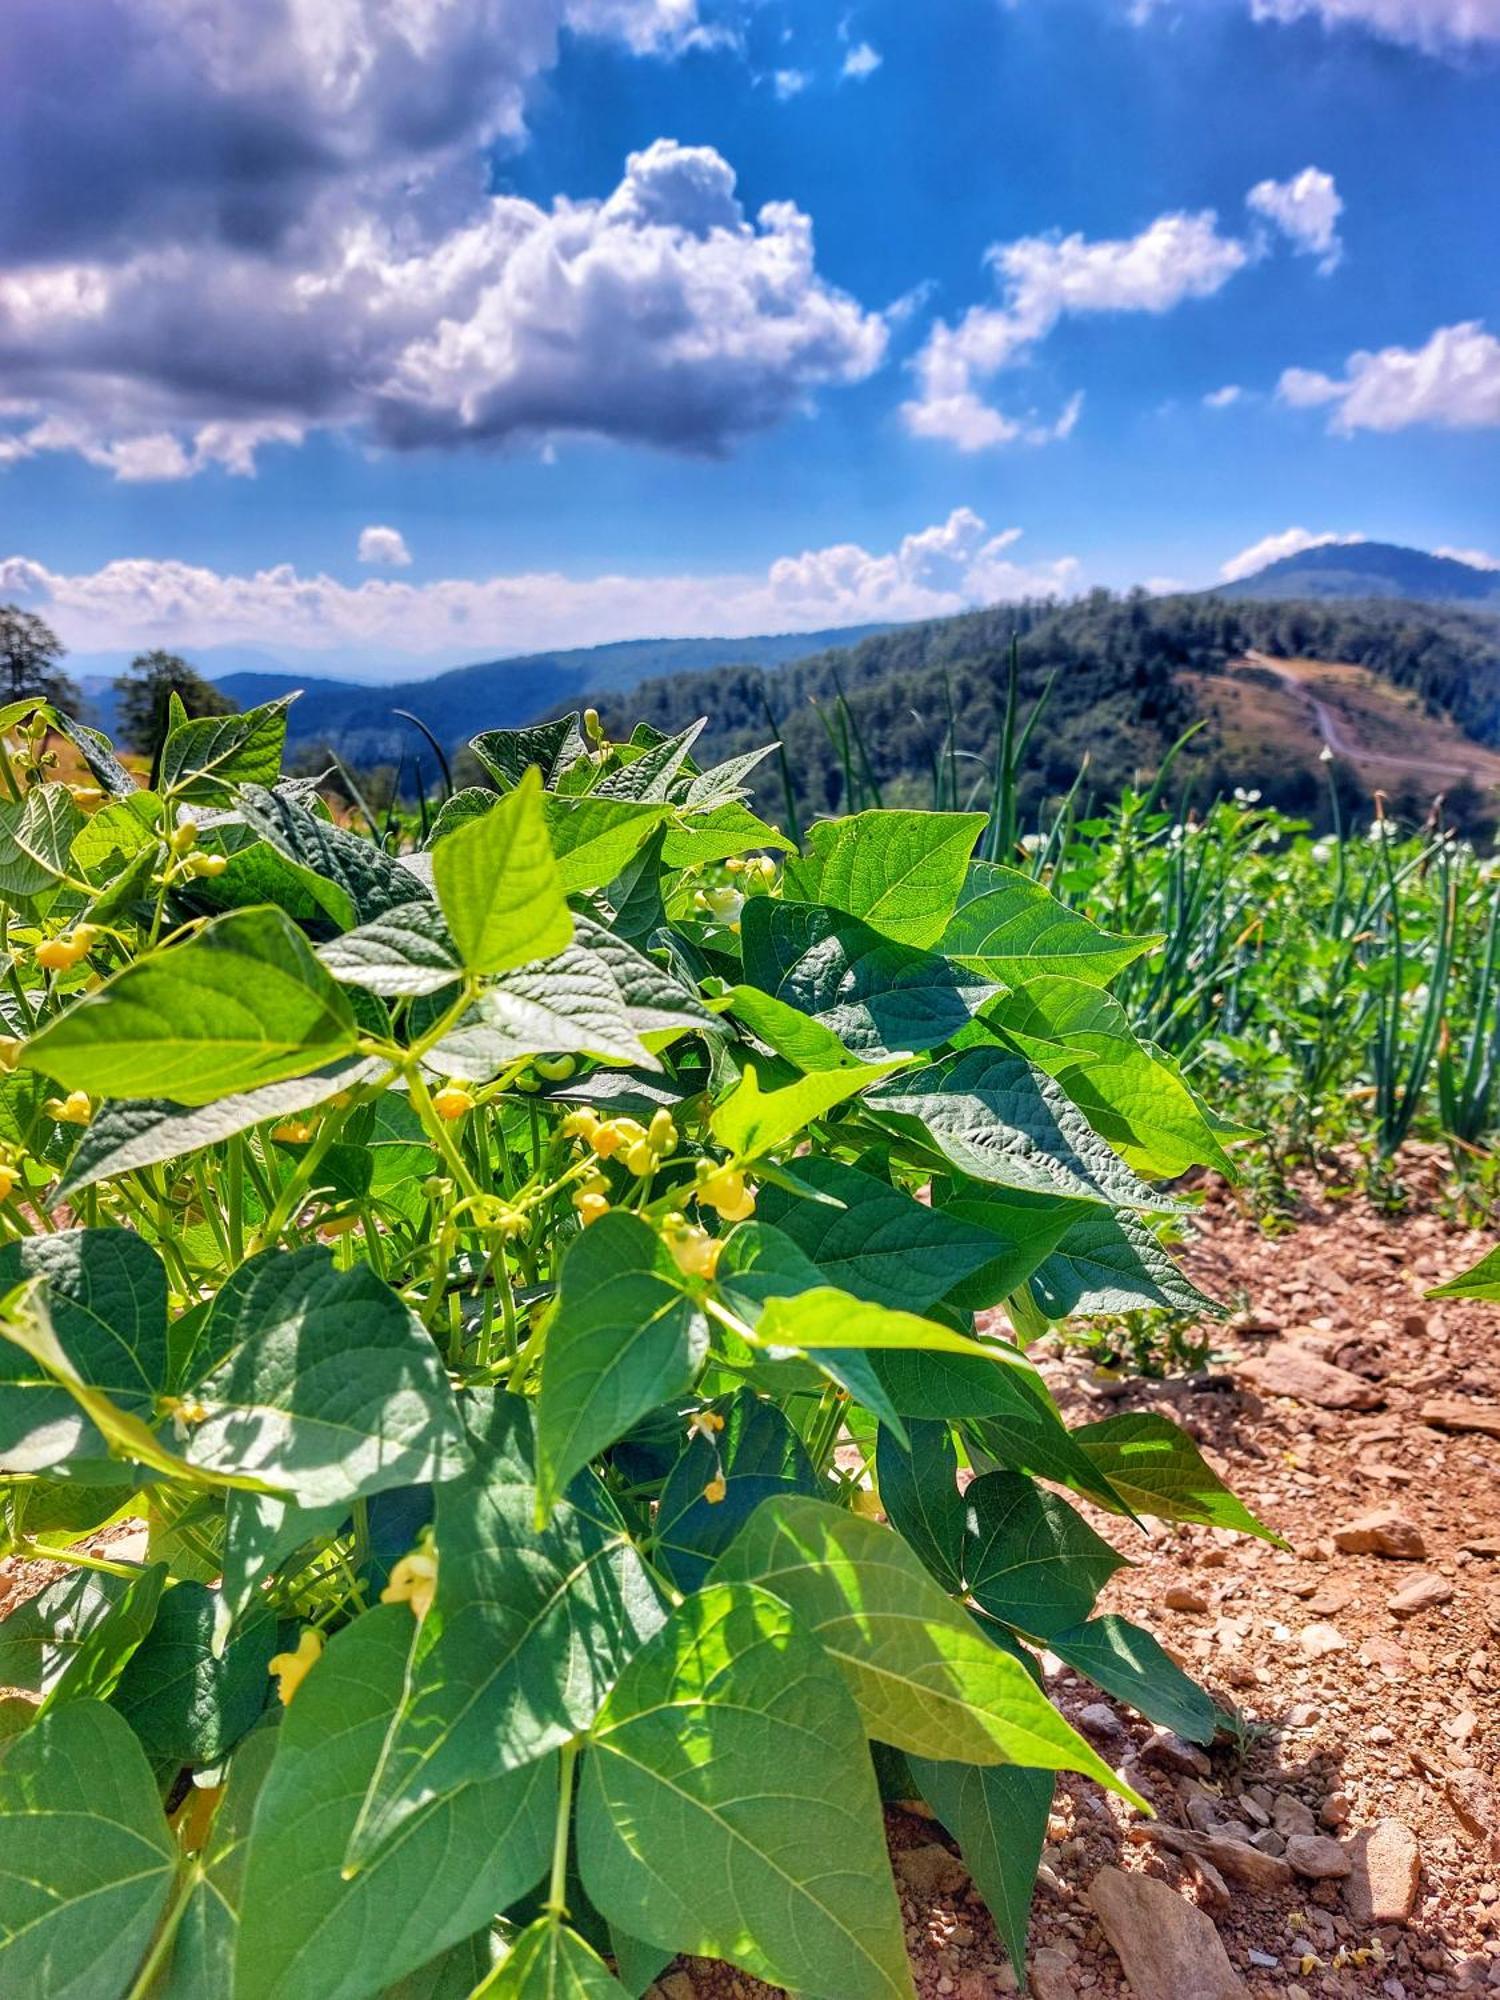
(1357, 1714)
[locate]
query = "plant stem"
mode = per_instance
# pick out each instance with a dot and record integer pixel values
(166, 1936)
(556, 1904)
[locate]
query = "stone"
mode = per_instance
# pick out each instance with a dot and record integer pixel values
(1317, 1641)
(1317, 1857)
(1168, 1948)
(1385, 1869)
(1183, 1597)
(1335, 1810)
(1250, 1867)
(1477, 1804)
(1100, 1721)
(1289, 1815)
(1457, 1413)
(1052, 1976)
(1384, 1532)
(1423, 1593)
(931, 1870)
(1170, 1752)
(1289, 1369)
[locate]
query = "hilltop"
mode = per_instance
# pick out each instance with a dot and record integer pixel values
(1371, 569)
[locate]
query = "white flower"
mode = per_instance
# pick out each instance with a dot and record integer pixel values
(1382, 829)
(1325, 755)
(1032, 843)
(1322, 852)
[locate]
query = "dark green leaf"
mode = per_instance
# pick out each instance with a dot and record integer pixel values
(1030, 1560)
(1128, 1663)
(998, 1815)
(205, 759)
(919, 1491)
(757, 1455)
(186, 1706)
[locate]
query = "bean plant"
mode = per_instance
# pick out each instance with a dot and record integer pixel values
(547, 1310)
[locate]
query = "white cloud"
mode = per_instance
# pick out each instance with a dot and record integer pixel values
(1290, 542)
(790, 83)
(1306, 209)
(1475, 558)
(1452, 383)
(662, 315)
(139, 603)
(1225, 398)
(1435, 25)
(1042, 279)
(862, 61)
(384, 546)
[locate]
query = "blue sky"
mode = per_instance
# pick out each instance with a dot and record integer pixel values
(561, 320)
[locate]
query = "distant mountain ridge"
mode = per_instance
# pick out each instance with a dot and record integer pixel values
(1369, 569)
(359, 722)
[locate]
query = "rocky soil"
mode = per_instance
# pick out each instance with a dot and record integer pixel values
(1350, 1844)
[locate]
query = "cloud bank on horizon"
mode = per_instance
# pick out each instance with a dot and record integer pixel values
(374, 231)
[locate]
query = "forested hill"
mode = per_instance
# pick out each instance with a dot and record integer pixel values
(1132, 673)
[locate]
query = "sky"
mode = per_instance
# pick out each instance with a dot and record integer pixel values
(373, 336)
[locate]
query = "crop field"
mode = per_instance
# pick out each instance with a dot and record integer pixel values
(528, 1417)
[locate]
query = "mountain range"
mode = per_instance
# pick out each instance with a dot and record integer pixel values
(1371, 569)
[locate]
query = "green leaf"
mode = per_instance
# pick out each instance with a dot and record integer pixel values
(714, 836)
(208, 757)
(107, 1299)
(405, 953)
(727, 1806)
(74, 1637)
(1128, 1663)
(320, 1382)
(1010, 928)
(36, 838)
(1113, 1263)
(656, 1002)
(550, 1962)
(144, 1132)
(89, 1859)
(881, 1244)
(751, 1121)
(830, 1318)
(595, 838)
(370, 881)
(757, 1455)
(902, 872)
(186, 1705)
(308, 1931)
(1030, 1561)
(260, 1531)
(651, 774)
(880, 998)
(240, 1003)
(788, 1031)
(507, 753)
(925, 1678)
(1082, 1036)
(725, 782)
(1023, 1230)
(1480, 1281)
(526, 1634)
(622, 1339)
(1157, 1469)
(918, 1489)
(499, 885)
(995, 1117)
(998, 1815)
(1008, 1408)
(97, 753)
(570, 1005)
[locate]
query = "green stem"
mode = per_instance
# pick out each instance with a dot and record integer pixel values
(556, 1904)
(35, 1552)
(157, 1956)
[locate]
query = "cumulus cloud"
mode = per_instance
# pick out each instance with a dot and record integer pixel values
(1438, 26)
(1306, 209)
(224, 227)
(790, 83)
(1041, 280)
(1452, 382)
(1225, 398)
(1290, 542)
(385, 547)
(139, 603)
(661, 315)
(1475, 558)
(862, 61)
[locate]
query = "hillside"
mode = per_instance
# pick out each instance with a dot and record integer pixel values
(1370, 569)
(360, 724)
(1132, 674)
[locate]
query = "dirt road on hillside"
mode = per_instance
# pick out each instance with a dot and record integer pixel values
(1334, 732)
